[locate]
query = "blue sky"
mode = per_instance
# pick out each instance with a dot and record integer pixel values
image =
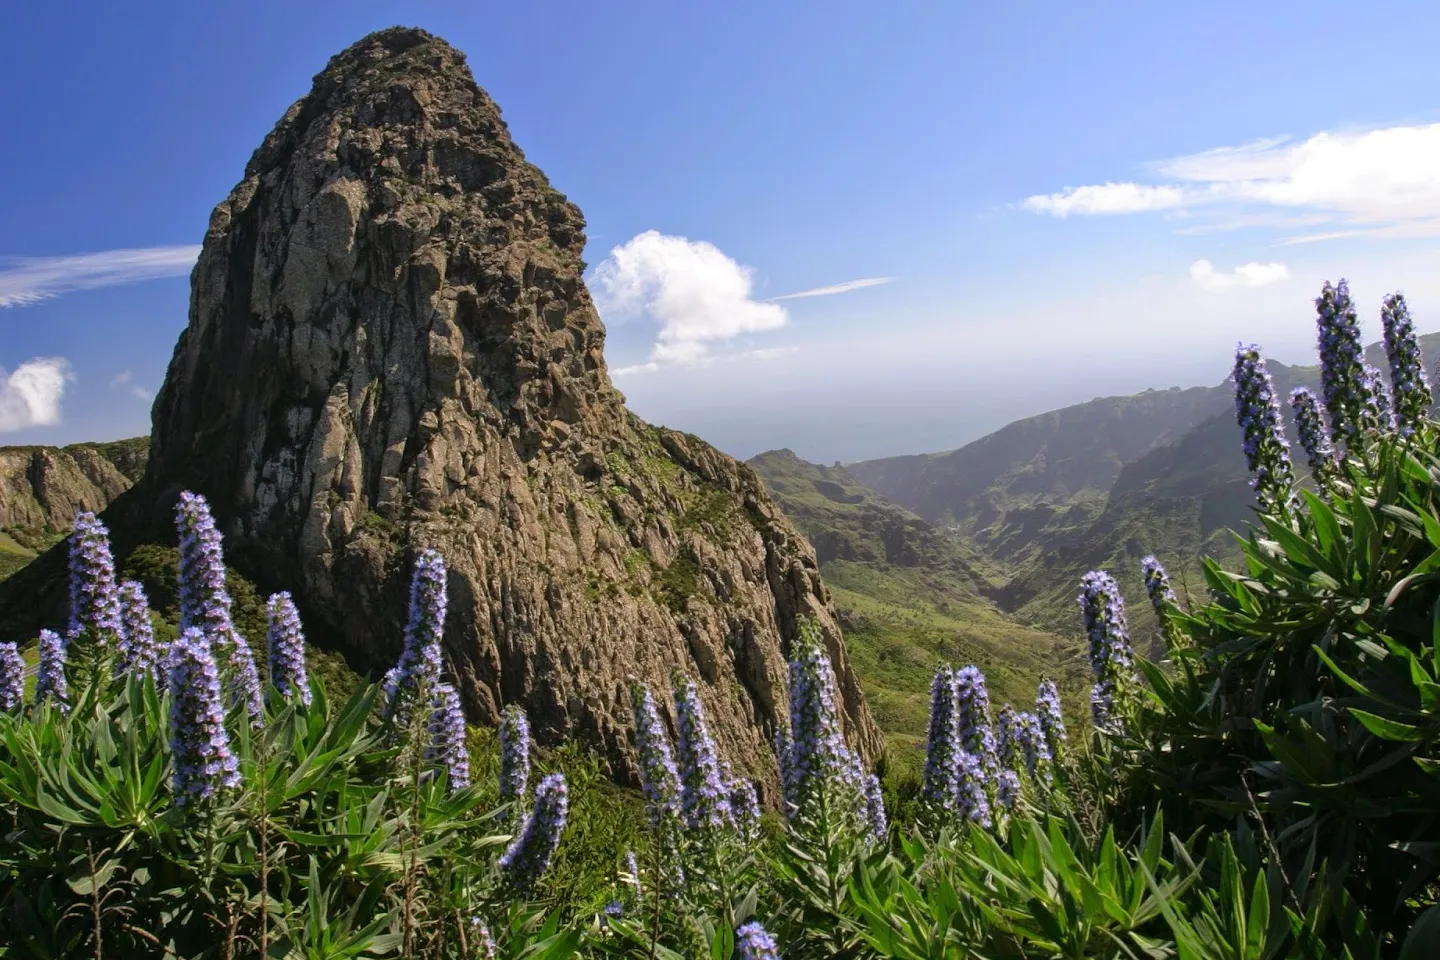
(1062, 203)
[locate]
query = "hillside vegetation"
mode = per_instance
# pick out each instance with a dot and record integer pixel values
(1040, 500)
(910, 596)
(1264, 787)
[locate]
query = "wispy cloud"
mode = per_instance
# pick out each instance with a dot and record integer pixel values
(27, 280)
(763, 354)
(699, 296)
(1384, 181)
(1106, 198)
(830, 291)
(1206, 277)
(124, 382)
(30, 396)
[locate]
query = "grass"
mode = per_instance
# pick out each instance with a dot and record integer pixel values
(14, 556)
(901, 625)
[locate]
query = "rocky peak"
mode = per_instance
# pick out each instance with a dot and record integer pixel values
(390, 345)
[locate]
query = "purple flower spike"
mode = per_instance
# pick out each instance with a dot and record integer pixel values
(140, 652)
(875, 808)
(1112, 662)
(247, 676)
(1007, 780)
(704, 800)
(447, 737)
(657, 763)
(1314, 435)
(1009, 740)
(972, 705)
(203, 762)
(94, 594)
(12, 678)
(820, 760)
(287, 649)
(1007, 789)
(745, 807)
(1346, 385)
(205, 600)
(50, 683)
(1034, 747)
(514, 754)
(1157, 585)
(942, 749)
(1377, 414)
(1052, 721)
(484, 942)
(1407, 368)
(528, 856)
(755, 944)
(1257, 410)
(973, 790)
(784, 749)
(418, 669)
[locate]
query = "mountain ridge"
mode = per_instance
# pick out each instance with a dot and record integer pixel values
(1176, 498)
(390, 346)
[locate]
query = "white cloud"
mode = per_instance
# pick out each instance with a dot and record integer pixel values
(1106, 198)
(829, 291)
(709, 360)
(634, 368)
(29, 280)
(30, 397)
(768, 353)
(1385, 181)
(699, 296)
(1205, 276)
(125, 381)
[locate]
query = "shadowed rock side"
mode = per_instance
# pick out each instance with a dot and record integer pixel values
(389, 344)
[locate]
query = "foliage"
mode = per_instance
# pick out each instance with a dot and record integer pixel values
(1264, 788)
(910, 596)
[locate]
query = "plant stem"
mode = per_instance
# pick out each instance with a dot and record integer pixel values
(94, 897)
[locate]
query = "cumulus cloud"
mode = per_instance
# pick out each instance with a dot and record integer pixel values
(28, 280)
(124, 382)
(833, 289)
(697, 295)
(1206, 277)
(30, 396)
(1384, 181)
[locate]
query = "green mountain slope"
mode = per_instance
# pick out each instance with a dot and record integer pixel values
(41, 489)
(1007, 488)
(910, 596)
(1034, 497)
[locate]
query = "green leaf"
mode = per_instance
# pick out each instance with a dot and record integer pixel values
(1298, 549)
(1386, 729)
(561, 945)
(1423, 940)
(1327, 528)
(1257, 924)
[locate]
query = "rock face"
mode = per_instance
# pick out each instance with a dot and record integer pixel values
(42, 488)
(390, 345)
